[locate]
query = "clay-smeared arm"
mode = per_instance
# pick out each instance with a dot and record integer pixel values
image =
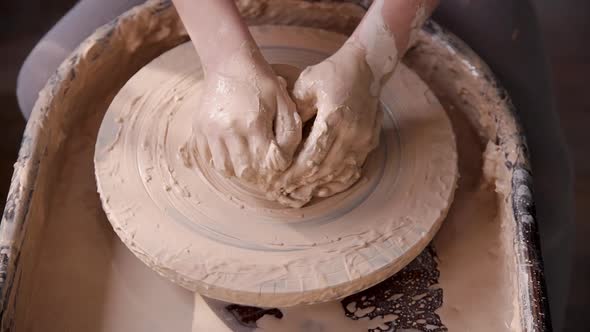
(246, 124)
(215, 27)
(402, 19)
(343, 92)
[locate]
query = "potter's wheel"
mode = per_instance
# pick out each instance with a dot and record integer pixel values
(217, 237)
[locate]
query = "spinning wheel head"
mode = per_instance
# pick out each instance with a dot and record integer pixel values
(219, 238)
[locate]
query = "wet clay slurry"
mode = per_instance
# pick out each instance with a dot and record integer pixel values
(195, 227)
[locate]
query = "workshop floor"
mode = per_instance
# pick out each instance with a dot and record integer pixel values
(23, 23)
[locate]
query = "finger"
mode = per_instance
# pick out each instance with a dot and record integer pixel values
(301, 188)
(331, 178)
(316, 147)
(283, 190)
(282, 82)
(289, 192)
(240, 157)
(288, 199)
(376, 130)
(341, 182)
(304, 95)
(202, 146)
(220, 156)
(332, 164)
(321, 187)
(301, 196)
(257, 146)
(266, 157)
(276, 160)
(287, 126)
(334, 160)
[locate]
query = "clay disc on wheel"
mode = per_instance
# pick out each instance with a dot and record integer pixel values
(217, 237)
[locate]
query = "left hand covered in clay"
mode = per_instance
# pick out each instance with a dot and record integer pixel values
(247, 125)
(346, 128)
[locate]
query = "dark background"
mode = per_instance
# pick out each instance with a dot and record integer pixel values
(564, 28)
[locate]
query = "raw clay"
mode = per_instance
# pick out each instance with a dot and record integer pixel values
(222, 238)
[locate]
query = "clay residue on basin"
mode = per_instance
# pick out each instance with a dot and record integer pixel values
(82, 278)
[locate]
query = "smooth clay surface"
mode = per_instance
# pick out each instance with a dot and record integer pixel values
(84, 279)
(223, 239)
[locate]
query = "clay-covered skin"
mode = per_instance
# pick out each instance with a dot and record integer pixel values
(345, 130)
(196, 227)
(246, 125)
(343, 93)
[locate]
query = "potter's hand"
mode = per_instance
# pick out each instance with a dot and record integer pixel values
(345, 130)
(344, 91)
(247, 125)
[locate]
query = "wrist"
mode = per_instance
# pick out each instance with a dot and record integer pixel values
(377, 40)
(243, 63)
(381, 58)
(215, 27)
(227, 56)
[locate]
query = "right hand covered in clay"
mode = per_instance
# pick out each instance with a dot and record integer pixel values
(343, 92)
(346, 128)
(246, 125)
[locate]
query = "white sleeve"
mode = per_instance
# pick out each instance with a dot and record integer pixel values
(81, 21)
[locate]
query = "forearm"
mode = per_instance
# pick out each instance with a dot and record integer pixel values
(405, 17)
(386, 31)
(216, 29)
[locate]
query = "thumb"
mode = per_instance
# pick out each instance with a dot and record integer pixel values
(287, 124)
(305, 96)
